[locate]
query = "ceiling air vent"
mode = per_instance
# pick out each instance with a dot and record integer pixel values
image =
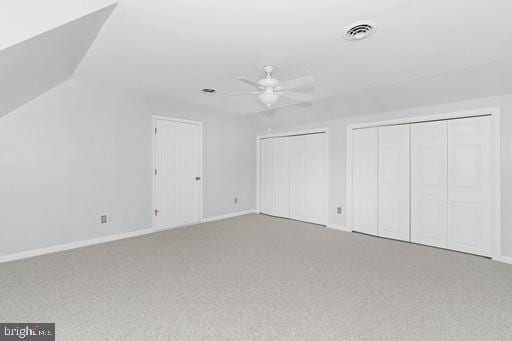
(208, 91)
(359, 30)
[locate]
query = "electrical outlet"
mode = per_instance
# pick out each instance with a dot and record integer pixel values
(103, 219)
(236, 200)
(339, 210)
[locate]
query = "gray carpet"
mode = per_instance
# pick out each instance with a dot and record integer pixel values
(260, 278)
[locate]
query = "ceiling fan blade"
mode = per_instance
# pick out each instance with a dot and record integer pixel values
(250, 82)
(297, 82)
(240, 94)
(296, 96)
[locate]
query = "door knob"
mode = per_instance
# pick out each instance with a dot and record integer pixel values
(198, 178)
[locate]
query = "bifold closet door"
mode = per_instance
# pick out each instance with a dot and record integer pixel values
(429, 186)
(308, 173)
(298, 177)
(266, 176)
(316, 195)
(394, 185)
(470, 223)
(365, 173)
(281, 177)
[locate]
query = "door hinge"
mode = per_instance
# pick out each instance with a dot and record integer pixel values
(155, 130)
(156, 212)
(156, 172)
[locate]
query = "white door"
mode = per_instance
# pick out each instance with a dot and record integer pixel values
(177, 173)
(266, 175)
(281, 177)
(469, 185)
(298, 177)
(316, 167)
(365, 180)
(308, 174)
(394, 186)
(429, 187)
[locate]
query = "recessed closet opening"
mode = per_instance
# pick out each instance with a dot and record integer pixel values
(428, 180)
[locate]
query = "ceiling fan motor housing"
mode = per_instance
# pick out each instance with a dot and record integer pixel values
(270, 89)
(268, 82)
(268, 69)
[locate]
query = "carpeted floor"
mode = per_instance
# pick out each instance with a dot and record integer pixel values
(260, 278)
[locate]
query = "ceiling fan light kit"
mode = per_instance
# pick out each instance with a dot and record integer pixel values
(268, 97)
(270, 89)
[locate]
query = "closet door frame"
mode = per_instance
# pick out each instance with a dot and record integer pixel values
(327, 163)
(494, 113)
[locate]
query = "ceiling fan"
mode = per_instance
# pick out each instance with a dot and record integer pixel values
(270, 89)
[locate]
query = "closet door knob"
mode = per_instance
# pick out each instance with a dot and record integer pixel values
(198, 178)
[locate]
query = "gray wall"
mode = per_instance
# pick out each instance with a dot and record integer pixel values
(82, 150)
(338, 146)
(229, 153)
(66, 158)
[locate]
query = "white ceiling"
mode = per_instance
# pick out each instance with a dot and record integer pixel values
(172, 49)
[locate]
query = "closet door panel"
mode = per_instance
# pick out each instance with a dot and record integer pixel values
(298, 177)
(266, 175)
(281, 177)
(308, 160)
(394, 185)
(469, 185)
(365, 180)
(429, 169)
(316, 170)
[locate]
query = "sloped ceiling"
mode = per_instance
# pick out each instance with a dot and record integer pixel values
(172, 49)
(33, 66)
(24, 19)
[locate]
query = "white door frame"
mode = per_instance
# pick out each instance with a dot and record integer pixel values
(493, 112)
(292, 133)
(153, 133)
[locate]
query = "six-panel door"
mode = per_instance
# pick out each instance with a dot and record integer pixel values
(394, 189)
(308, 174)
(178, 171)
(469, 185)
(365, 173)
(429, 186)
(266, 176)
(281, 177)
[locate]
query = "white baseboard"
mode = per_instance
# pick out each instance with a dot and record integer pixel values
(74, 245)
(229, 215)
(339, 227)
(504, 259)
(106, 239)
